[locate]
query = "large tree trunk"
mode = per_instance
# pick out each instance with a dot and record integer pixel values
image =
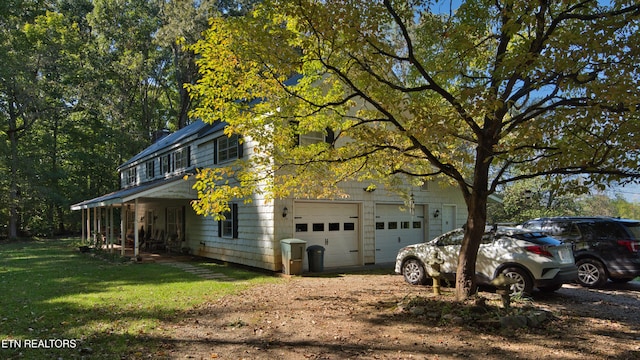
(475, 227)
(476, 201)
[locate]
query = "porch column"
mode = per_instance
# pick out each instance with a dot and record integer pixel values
(88, 225)
(83, 224)
(110, 228)
(136, 241)
(95, 224)
(99, 228)
(122, 234)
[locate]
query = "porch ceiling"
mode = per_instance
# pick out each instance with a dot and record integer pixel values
(173, 188)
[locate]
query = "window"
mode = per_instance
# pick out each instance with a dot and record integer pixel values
(181, 159)
(151, 223)
(150, 169)
(312, 137)
(131, 176)
(165, 164)
(175, 223)
(334, 226)
(392, 225)
(349, 226)
(404, 225)
(227, 148)
(452, 238)
(228, 228)
(380, 225)
(318, 227)
(302, 227)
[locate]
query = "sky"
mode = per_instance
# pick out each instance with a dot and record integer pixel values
(630, 192)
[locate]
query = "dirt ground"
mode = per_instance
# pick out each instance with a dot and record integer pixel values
(370, 317)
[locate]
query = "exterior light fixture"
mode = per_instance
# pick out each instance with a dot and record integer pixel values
(436, 213)
(285, 211)
(412, 204)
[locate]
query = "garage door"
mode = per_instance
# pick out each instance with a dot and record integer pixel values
(332, 226)
(396, 229)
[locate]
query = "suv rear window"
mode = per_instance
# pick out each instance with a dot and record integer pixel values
(633, 228)
(537, 238)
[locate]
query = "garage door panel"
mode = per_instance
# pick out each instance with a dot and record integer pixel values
(396, 229)
(332, 226)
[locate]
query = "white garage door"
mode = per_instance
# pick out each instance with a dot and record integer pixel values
(332, 226)
(396, 229)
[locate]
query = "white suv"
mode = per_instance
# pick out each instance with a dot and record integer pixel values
(531, 258)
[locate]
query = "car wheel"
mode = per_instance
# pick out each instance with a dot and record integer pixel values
(591, 273)
(414, 272)
(550, 289)
(523, 285)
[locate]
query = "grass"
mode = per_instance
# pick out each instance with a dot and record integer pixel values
(56, 302)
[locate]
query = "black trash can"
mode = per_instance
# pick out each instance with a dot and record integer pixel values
(316, 258)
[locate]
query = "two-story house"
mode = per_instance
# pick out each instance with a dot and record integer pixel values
(154, 210)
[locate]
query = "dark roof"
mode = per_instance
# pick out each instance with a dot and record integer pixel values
(120, 196)
(198, 127)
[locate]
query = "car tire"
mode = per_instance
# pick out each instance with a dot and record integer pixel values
(550, 289)
(591, 273)
(413, 272)
(523, 285)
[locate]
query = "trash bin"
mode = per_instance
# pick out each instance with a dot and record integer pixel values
(316, 258)
(292, 255)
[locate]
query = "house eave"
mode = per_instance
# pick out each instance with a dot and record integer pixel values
(158, 189)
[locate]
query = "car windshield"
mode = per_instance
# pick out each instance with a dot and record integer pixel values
(536, 238)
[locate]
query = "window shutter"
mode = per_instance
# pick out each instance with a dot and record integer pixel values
(215, 151)
(234, 212)
(220, 228)
(240, 148)
(331, 136)
(294, 125)
(188, 156)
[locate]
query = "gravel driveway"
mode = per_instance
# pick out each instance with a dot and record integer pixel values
(361, 317)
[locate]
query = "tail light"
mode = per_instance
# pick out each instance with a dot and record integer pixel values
(540, 250)
(631, 245)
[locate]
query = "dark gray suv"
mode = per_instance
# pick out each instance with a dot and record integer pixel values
(604, 247)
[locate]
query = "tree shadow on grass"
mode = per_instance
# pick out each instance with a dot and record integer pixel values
(51, 291)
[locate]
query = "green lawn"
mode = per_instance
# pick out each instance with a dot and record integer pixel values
(58, 303)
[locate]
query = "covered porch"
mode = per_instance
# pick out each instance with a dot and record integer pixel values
(147, 218)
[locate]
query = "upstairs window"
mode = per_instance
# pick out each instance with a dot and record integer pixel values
(131, 176)
(165, 164)
(227, 149)
(181, 159)
(150, 169)
(313, 137)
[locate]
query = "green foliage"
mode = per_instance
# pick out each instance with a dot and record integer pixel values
(85, 85)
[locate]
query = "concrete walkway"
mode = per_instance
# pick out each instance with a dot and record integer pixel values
(198, 271)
